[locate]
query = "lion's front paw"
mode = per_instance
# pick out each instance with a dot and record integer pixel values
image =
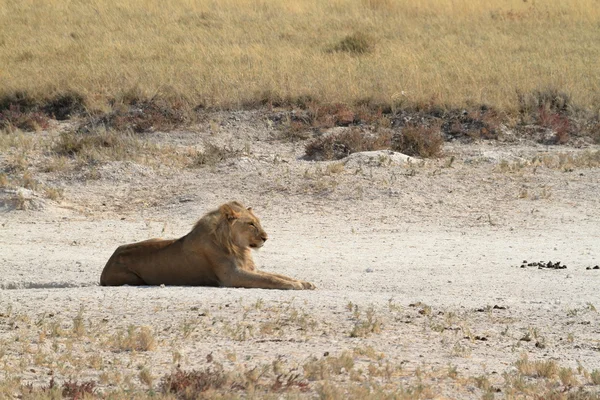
(308, 285)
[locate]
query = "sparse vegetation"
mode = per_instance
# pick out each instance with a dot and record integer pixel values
(119, 362)
(423, 75)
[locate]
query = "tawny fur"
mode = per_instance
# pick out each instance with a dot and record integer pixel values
(215, 253)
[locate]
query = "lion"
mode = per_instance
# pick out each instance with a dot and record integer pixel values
(216, 252)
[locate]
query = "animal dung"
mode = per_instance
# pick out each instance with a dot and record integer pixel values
(544, 265)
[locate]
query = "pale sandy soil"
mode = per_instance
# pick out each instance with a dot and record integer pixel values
(397, 238)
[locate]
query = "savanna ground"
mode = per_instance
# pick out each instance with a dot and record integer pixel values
(125, 122)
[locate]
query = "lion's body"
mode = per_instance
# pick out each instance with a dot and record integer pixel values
(215, 253)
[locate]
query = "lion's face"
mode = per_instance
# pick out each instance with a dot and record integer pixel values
(247, 231)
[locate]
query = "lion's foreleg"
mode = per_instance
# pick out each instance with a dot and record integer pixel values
(252, 279)
(306, 285)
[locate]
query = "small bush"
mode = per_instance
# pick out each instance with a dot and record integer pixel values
(356, 43)
(558, 123)
(340, 145)
(418, 140)
(330, 115)
(190, 385)
(75, 390)
(27, 120)
(70, 390)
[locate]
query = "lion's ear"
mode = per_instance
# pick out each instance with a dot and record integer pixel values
(228, 212)
(249, 208)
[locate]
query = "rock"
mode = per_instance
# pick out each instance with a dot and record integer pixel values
(379, 158)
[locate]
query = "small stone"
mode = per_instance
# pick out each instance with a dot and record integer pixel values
(369, 270)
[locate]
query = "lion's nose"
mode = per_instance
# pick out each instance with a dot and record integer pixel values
(264, 238)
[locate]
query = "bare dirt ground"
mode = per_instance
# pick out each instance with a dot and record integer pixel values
(417, 267)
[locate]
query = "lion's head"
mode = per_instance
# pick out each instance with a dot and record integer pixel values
(234, 227)
(244, 226)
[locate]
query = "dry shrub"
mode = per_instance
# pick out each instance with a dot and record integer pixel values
(558, 123)
(191, 384)
(75, 390)
(418, 140)
(339, 145)
(27, 120)
(70, 390)
(329, 115)
(285, 382)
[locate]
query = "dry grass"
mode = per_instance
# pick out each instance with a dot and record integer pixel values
(563, 161)
(246, 52)
(45, 356)
(136, 339)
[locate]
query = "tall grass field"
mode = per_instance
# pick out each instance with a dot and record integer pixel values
(232, 53)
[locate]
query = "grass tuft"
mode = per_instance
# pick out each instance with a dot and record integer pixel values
(355, 43)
